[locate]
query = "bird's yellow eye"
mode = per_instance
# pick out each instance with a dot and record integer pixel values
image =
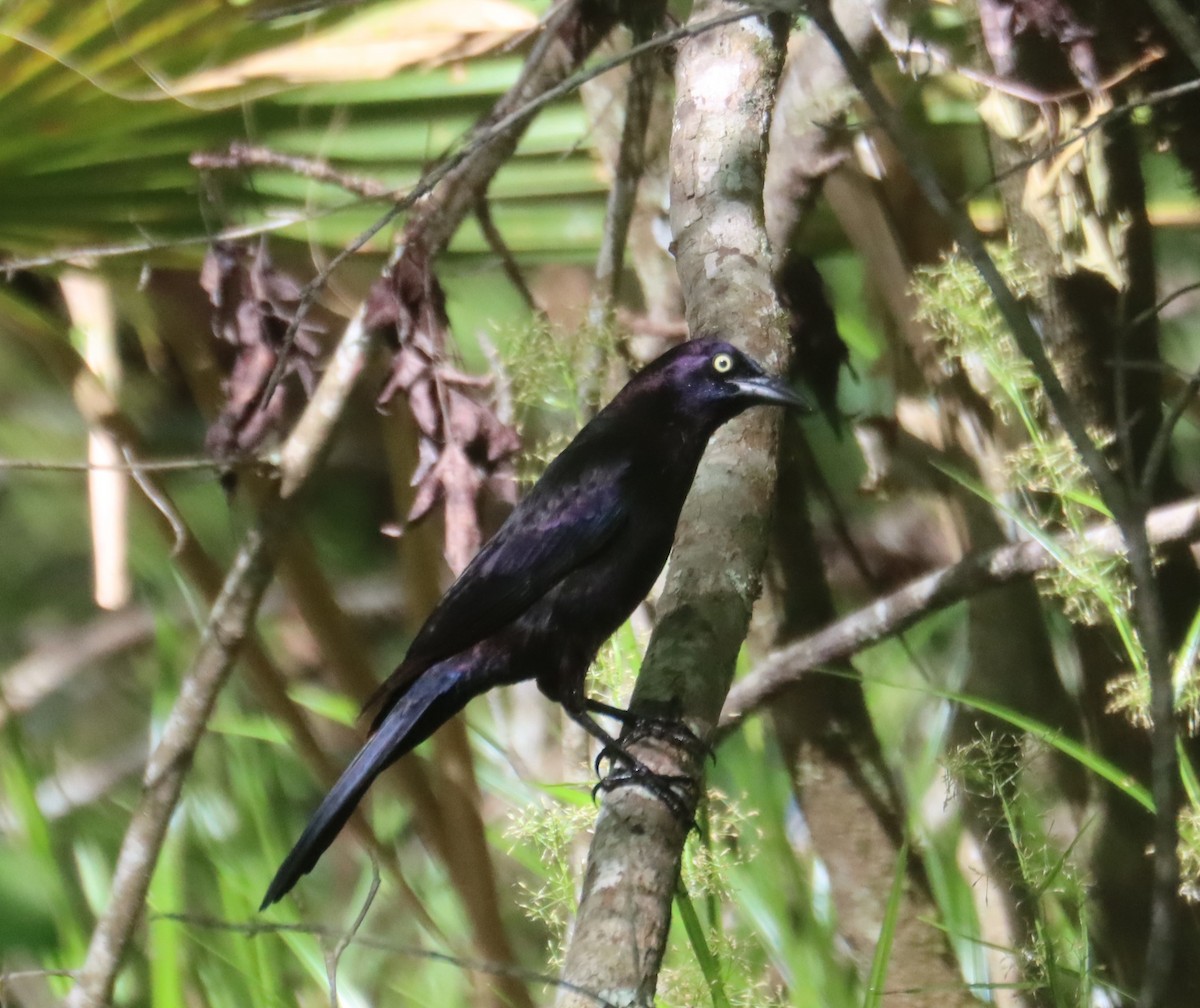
(722, 363)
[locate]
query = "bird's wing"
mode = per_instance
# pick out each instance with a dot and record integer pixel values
(554, 530)
(558, 527)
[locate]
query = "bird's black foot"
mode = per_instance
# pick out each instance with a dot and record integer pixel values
(666, 788)
(671, 730)
(664, 729)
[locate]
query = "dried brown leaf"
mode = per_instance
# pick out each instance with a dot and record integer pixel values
(463, 443)
(254, 304)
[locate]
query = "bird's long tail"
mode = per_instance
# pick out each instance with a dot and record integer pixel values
(433, 699)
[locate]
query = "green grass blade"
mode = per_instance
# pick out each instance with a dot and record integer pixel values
(1077, 751)
(887, 932)
(710, 966)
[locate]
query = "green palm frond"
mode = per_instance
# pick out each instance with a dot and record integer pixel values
(102, 104)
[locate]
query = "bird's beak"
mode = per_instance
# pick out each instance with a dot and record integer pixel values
(765, 389)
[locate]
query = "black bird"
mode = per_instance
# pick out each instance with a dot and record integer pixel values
(566, 569)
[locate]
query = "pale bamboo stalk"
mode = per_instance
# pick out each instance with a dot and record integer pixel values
(90, 307)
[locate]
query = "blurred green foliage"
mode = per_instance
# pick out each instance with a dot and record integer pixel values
(94, 148)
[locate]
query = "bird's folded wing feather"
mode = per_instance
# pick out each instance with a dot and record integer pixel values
(559, 527)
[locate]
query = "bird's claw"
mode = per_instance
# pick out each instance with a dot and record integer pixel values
(662, 786)
(665, 729)
(671, 730)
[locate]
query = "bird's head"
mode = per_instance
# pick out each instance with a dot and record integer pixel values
(718, 381)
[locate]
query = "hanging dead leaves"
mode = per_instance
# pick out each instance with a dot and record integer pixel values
(254, 304)
(1008, 23)
(464, 446)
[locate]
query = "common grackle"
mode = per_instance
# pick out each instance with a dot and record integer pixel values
(574, 558)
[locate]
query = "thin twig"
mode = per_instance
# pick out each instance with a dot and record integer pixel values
(241, 155)
(1157, 452)
(903, 48)
(160, 501)
(627, 174)
(31, 974)
(344, 940)
(150, 465)
(1158, 308)
(88, 253)
(1162, 436)
(1091, 125)
(508, 262)
(259, 928)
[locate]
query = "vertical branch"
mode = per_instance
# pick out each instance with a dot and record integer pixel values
(627, 173)
(725, 87)
(808, 140)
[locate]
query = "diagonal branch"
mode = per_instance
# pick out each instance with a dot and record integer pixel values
(897, 611)
(229, 624)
